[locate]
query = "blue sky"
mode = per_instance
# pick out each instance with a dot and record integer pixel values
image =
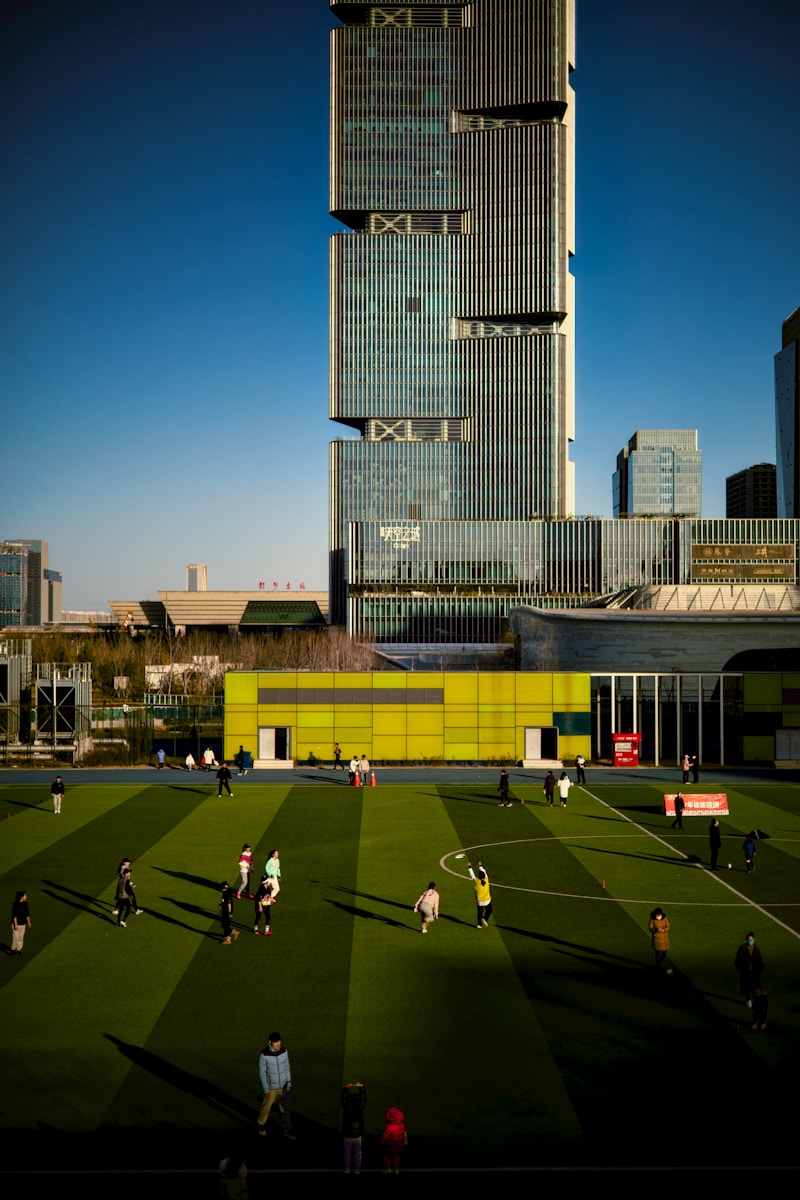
(163, 247)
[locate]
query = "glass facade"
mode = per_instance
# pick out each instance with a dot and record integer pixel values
(787, 417)
(451, 582)
(451, 298)
(659, 473)
(14, 585)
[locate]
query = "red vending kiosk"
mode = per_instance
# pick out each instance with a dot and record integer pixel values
(626, 749)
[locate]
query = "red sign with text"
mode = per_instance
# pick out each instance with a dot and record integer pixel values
(709, 804)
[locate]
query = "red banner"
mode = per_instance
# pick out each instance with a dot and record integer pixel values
(707, 804)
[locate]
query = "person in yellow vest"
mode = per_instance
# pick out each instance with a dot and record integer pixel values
(483, 896)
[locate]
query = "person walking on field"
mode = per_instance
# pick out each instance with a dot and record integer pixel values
(503, 790)
(580, 767)
(226, 915)
(483, 896)
(428, 906)
(659, 928)
(549, 788)
(124, 898)
(57, 794)
(245, 867)
(749, 849)
(272, 872)
(714, 842)
(680, 805)
(224, 780)
(20, 921)
(749, 965)
(564, 784)
(275, 1075)
(262, 907)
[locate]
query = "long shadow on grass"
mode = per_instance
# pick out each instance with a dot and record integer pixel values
(191, 908)
(368, 896)
(212, 1095)
(562, 942)
(367, 915)
(88, 901)
(91, 912)
(669, 859)
(198, 879)
(185, 787)
(40, 804)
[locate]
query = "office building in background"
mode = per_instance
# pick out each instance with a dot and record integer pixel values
(452, 170)
(751, 493)
(787, 417)
(659, 473)
(30, 593)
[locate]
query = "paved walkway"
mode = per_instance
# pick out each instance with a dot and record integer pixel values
(670, 778)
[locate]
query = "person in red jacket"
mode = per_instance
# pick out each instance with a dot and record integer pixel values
(393, 1139)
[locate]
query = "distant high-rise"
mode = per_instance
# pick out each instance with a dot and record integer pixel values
(31, 592)
(751, 493)
(787, 417)
(196, 577)
(452, 166)
(659, 473)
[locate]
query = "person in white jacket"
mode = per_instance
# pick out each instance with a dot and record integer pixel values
(564, 784)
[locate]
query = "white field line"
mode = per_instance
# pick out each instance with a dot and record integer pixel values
(711, 874)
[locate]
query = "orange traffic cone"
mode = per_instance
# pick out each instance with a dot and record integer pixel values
(372, 780)
(357, 780)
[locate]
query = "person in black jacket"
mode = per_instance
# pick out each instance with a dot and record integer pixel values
(226, 915)
(224, 780)
(714, 842)
(20, 921)
(57, 794)
(354, 1100)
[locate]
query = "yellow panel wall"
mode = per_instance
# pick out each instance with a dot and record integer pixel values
(241, 687)
(572, 692)
(496, 688)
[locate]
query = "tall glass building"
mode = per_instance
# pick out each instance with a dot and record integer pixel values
(787, 417)
(452, 170)
(659, 474)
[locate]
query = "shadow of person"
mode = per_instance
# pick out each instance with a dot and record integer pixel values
(209, 1093)
(366, 914)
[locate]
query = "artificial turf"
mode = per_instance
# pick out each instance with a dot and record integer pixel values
(547, 1039)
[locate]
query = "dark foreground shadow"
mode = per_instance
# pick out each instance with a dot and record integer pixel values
(203, 1089)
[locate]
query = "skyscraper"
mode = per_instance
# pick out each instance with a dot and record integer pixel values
(659, 473)
(751, 492)
(452, 167)
(787, 417)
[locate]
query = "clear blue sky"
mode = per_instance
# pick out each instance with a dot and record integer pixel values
(163, 247)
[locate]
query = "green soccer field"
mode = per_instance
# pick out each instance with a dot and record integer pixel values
(547, 1038)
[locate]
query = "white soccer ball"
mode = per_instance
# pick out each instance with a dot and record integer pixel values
(729, 866)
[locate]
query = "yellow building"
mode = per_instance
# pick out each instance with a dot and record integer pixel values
(298, 716)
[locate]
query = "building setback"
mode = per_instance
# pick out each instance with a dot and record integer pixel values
(452, 152)
(787, 417)
(659, 473)
(751, 493)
